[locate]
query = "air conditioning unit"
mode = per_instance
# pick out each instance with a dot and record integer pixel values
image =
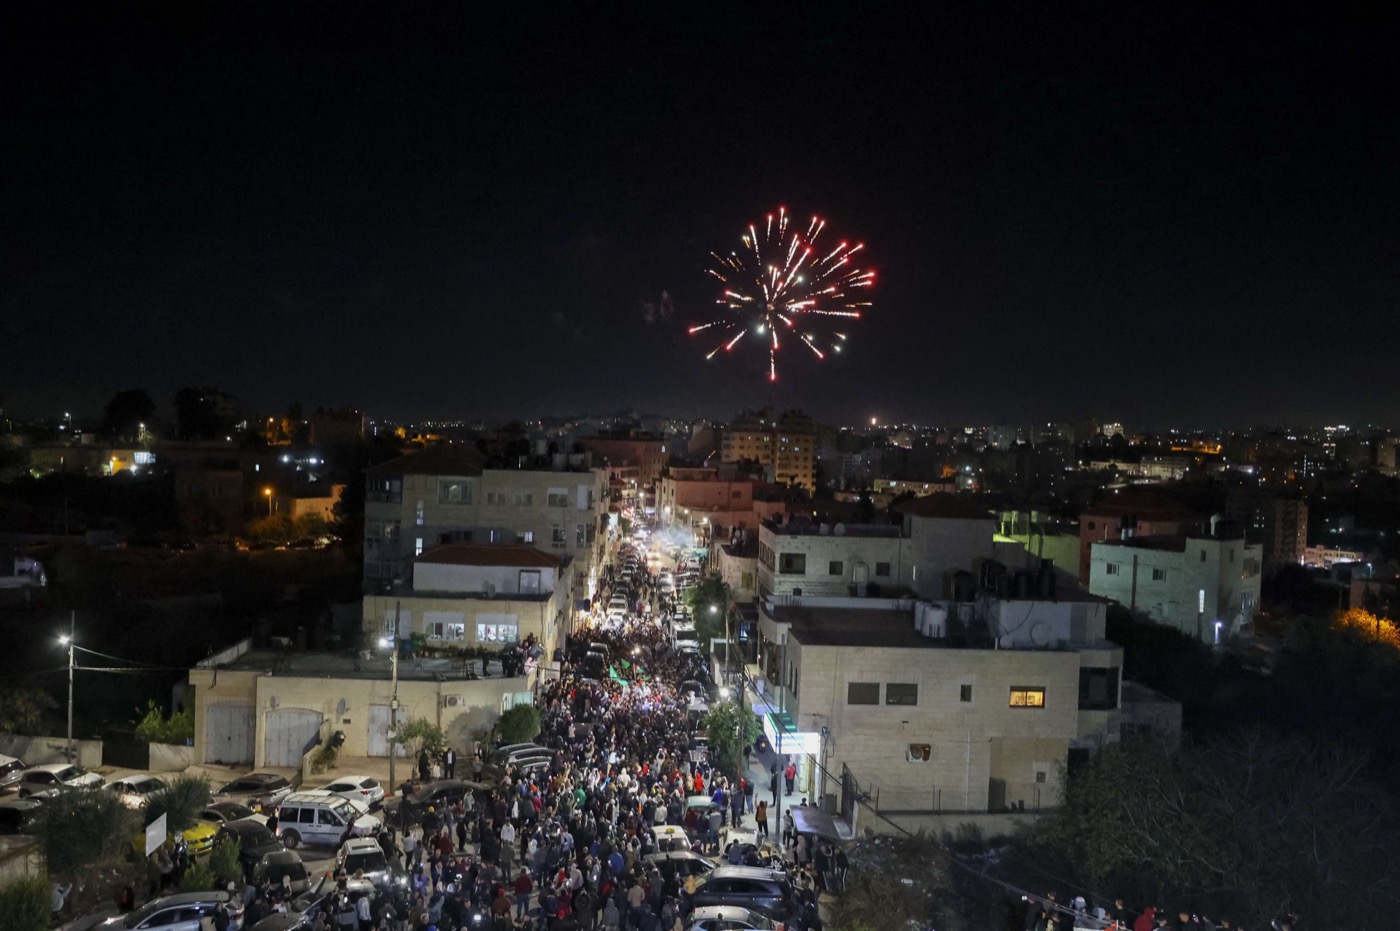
(452, 701)
(918, 753)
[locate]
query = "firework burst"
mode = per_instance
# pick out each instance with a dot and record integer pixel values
(783, 285)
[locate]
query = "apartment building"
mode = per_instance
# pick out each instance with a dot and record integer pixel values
(784, 445)
(938, 706)
(1129, 513)
(633, 456)
(477, 595)
(1278, 522)
(1205, 586)
(454, 495)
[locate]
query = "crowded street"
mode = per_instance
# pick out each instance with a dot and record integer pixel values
(612, 818)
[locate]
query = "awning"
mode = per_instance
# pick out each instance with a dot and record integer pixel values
(808, 819)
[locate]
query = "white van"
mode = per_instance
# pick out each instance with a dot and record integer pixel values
(321, 818)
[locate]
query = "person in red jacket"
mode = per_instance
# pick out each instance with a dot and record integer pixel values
(1147, 920)
(524, 885)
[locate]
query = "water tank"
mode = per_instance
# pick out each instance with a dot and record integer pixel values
(860, 577)
(964, 586)
(936, 621)
(1024, 587)
(989, 571)
(1045, 581)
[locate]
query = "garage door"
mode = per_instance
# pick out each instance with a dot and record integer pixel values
(288, 735)
(378, 736)
(228, 734)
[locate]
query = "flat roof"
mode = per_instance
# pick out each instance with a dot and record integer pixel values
(436, 460)
(523, 555)
(852, 627)
(944, 505)
(321, 665)
(1171, 543)
(805, 528)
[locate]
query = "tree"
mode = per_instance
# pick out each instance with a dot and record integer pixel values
(1244, 825)
(181, 802)
(519, 723)
(23, 709)
(421, 734)
(154, 727)
(730, 729)
(126, 413)
(25, 904)
(312, 525)
(270, 528)
(80, 829)
(897, 882)
(204, 413)
(224, 863)
(712, 593)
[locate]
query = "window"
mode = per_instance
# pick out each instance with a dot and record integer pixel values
(556, 536)
(1091, 525)
(1203, 555)
(445, 630)
(524, 499)
(835, 568)
(497, 633)
(558, 498)
(882, 569)
(495, 497)
(525, 536)
(418, 513)
(530, 581)
(792, 563)
(901, 693)
(418, 546)
(1040, 776)
(1098, 689)
(1027, 696)
(746, 580)
(454, 491)
(1110, 568)
(964, 693)
(1159, 575)
(862, 693)
(580, 535)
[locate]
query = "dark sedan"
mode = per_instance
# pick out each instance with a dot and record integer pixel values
(437, 795)
(255, 841)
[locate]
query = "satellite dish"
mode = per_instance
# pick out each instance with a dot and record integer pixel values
(1040, 634)
(839, 530)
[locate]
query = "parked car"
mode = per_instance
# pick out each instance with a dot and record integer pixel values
(750, 887)
(300, 911)
(17, 815)
(255, 841)
(135, 790)
(437, 794)
(363, 855)
(179, 912)
(671, 837)
(10, 769)
(281, 868)
(681, 863)
(263, 790)
(46, 779)
(219, 812)
(322, 818)
(728, 918)
(358, 788)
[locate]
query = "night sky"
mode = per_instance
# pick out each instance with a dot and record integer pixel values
(1158, 213)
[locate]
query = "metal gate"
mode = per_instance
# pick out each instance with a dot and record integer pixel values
(228, 733)
(288, 735)
(378, 741)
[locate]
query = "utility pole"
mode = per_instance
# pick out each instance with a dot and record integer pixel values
(72, 631)
(394, 705)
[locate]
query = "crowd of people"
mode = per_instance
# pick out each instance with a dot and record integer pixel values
(566, 847)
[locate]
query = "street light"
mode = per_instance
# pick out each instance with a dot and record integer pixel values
(267, 493)
(68, 639)
(393, 644)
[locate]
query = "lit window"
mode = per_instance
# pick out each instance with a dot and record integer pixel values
(1023, 697)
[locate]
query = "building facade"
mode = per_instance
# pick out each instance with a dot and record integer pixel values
(1279, 522)
(932, 723)
(1206, 587)
(477, 595)
(1130, 513)
(785, 446)
(449, 495)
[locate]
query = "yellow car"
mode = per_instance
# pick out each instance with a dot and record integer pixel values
(199, 838)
